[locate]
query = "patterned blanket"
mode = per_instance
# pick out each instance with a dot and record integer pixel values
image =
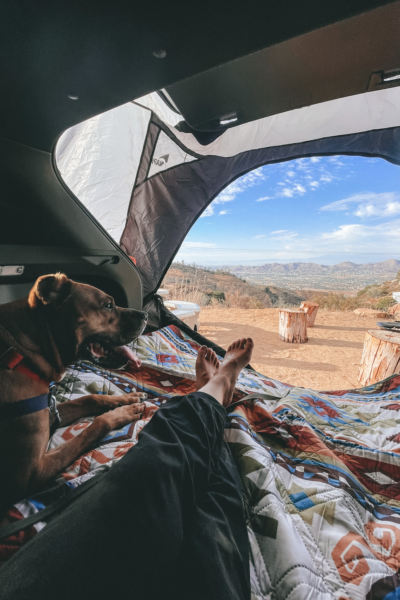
(319, 470)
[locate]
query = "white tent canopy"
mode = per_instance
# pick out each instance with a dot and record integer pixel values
(147, 182)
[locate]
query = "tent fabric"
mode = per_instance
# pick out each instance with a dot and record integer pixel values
(147, 182)
(164, 208)
(167, 154)
(98, 160)
(344, 116)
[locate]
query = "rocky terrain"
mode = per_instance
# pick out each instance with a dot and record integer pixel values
(343, 276)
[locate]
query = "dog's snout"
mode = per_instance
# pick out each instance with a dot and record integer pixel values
(145, 315)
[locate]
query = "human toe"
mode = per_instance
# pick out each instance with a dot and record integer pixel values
(233, 346)
(202, 352)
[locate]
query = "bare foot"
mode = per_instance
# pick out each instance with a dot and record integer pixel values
(238, 355)
(236, 358)
(222, 384)
(207, 364)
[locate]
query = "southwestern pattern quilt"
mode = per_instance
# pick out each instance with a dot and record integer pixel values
(320, 471)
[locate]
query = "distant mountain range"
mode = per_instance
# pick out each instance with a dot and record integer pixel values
(391, 266)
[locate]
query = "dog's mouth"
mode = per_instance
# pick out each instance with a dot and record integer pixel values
(107, 355)
(98, 351)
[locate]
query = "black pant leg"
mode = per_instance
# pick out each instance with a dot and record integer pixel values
(216, 557)
(130, 535)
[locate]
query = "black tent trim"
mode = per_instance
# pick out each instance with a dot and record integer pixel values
(164, 208)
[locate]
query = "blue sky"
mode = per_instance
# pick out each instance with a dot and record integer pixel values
(322, 209)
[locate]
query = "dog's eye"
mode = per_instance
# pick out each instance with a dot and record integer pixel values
(108, 305)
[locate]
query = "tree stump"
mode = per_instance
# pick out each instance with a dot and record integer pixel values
(380, 358)
(293, 326)
(311, 309)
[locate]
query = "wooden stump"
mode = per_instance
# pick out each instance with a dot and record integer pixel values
(311, 308)
(293, 326)
(380, 358)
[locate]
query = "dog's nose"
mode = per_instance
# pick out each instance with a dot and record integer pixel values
(145, 315)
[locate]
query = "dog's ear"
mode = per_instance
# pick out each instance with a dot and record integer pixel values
(50, 289)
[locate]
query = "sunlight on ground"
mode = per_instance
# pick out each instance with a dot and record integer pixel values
(330, 359)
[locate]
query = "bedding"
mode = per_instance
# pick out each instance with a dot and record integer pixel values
(320, 471)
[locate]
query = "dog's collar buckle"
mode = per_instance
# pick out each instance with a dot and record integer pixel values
(11, 358)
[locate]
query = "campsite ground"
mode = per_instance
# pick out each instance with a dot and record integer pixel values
(330, 359)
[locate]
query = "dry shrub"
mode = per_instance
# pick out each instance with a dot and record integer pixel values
(189, 291)
(385, 302)
(373, 291)
(339, 302)
(237, 300)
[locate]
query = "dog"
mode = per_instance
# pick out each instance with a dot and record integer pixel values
(61, 321)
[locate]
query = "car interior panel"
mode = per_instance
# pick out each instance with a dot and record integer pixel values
(64, 63)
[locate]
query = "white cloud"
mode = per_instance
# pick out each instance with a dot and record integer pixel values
(379, 237)
(208, 212)
(282, 235)
(198, 245)
(314, 184)
(240, 185)
(326, 178)
(264, 198)
(289, 192)
(353, 238)
(345, 232)
(290, 173)
(371, 210)
(344, 204)
(223, 212)
(256, 237)
(385, 204)
(315, 159)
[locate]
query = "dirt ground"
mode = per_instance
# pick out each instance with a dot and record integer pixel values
(330, 359)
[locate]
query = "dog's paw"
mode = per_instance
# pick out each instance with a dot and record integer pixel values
(123, 415)
(105, 403)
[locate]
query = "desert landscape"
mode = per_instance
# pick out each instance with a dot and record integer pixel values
(233, 307)
(346, 276)
(330, 360)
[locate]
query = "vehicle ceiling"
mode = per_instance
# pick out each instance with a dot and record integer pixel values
(63, 62)
(102, 52)
(336, 61)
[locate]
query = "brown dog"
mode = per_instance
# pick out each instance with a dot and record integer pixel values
(59, 322)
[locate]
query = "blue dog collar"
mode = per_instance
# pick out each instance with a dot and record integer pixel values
(24, 407)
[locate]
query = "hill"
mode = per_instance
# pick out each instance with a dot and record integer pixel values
(344, 276)
(387, 266)
(205, 286)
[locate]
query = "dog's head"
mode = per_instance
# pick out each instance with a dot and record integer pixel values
(88, 319)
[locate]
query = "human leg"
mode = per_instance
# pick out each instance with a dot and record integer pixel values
(166, 522)
(129, 536)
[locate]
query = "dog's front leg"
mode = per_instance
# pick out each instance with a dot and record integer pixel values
(95, 404)
(57, 460)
